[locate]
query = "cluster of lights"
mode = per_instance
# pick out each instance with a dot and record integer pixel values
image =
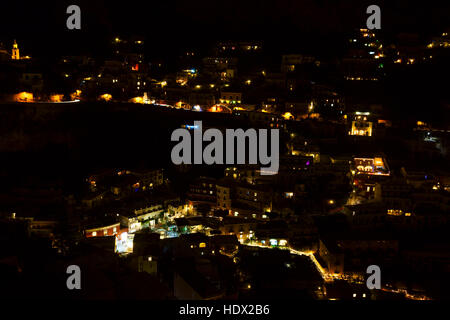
(227, 101)
(394, 212)
(287, 116)
(361, 79)
(55, 98)
(105, 97)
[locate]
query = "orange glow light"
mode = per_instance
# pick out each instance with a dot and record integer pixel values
(137, 100)
(56, 98)
(23, 97)
(288, 115)
(106, 97)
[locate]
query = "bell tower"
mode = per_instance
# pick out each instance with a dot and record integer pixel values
(15, 51)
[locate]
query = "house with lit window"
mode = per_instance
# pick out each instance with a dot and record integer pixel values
(230, 192)
(202, 189)
(102, 230)
(248, 173)
(224, 194)
(274, 233)
(243, 229)
(254, 196)
(231, 97)
(371, 166)
(142, 216)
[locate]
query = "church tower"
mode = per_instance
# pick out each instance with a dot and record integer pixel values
(15, 51)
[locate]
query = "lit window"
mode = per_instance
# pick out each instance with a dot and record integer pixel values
(94, 233)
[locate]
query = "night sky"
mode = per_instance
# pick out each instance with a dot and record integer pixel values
(169, 25)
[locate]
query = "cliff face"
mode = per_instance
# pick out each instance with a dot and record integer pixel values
(93, 135)
(30, 127)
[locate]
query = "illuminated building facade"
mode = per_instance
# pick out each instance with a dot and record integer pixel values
(371, 166)
(143, 218)
(223, 196)
(124, 243)
(361, 126)
(257, 197)
(202, 189)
